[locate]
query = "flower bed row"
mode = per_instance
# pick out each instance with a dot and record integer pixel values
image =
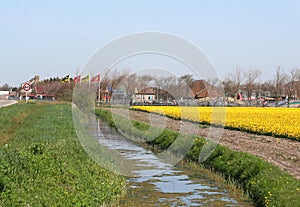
(279, 122)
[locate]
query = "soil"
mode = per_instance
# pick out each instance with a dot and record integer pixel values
(281, 152)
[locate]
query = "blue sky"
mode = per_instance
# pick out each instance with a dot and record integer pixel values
(55, 38)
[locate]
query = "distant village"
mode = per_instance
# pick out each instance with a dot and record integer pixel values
(239, 89)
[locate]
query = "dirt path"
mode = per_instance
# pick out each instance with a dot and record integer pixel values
(282, 152)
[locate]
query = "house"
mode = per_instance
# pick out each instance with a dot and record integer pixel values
(145, 95)
(4, 95)
(38, 91)
(202, 89)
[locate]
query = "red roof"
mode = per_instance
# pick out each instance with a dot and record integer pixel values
(148, 91)
(202, 89)
(40, 89)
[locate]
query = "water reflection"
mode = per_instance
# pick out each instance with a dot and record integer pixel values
(156, 183)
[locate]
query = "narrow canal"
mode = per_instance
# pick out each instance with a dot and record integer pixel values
(156, 183)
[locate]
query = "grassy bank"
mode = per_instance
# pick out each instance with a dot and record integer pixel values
(266, 184)
(43, 164)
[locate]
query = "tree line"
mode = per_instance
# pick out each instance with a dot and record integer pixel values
(7, 87)
(282, 83)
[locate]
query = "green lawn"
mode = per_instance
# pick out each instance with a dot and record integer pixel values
(43, 164)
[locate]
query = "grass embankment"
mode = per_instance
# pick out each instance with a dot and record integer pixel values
(43, 164)
(265, 183)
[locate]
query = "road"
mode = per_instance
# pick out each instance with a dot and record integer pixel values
(4, 103)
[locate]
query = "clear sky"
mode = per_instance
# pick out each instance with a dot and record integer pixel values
(55, 38)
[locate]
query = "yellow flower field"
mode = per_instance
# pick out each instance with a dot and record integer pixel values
(283, 122)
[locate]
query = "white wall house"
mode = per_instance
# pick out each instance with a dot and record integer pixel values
(4, 95)
(146, 95)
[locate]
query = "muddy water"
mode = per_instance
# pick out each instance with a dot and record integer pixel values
(156, 183)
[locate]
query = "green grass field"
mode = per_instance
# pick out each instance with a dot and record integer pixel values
(43, 164)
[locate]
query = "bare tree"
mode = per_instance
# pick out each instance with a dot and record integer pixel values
(257, 89)
(250, 80)
(186, 83)
(268, 85)
(215, 90)
(293, 76)
(171, 85)
(5, 87)
(105, 81)
(130, 83)
(238, 79)
(280, 79)
(229, 87)
(112, 80)
(164, 87)
(145, 81)
(215, 86)
(159, 82)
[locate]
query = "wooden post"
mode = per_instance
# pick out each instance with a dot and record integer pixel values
(99, 95)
